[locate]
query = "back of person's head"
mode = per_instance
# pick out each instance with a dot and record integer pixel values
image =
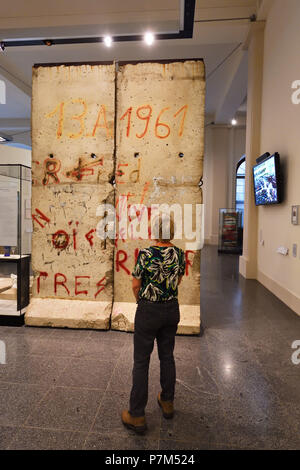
(164, 228)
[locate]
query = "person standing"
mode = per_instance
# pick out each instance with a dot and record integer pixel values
(156, 276)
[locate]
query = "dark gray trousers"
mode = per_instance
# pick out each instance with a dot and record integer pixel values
(153, 320)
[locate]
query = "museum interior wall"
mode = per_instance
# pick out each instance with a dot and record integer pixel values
(280, 132)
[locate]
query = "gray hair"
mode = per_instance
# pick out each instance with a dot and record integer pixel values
(164, 228)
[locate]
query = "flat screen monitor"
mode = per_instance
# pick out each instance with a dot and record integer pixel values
(267, 183)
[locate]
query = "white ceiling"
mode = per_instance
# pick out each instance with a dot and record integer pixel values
(216, 42)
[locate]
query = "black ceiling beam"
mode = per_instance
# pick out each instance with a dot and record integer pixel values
(187, 32)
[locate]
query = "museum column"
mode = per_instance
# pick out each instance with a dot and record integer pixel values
(255, 46)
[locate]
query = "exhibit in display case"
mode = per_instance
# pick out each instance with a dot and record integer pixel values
(15, 242)
(230, 231)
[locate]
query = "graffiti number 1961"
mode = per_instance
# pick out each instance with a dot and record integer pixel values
(161, 129)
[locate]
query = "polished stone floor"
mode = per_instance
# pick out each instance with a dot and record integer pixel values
(237, 387)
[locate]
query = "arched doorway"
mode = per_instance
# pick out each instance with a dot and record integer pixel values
(240, 186)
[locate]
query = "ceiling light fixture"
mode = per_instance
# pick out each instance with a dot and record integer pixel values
(48, 42)
(108, 41)
(185, 31)
(234, 122)
(149, 38)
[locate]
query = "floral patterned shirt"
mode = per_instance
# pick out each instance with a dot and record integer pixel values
(159, 268)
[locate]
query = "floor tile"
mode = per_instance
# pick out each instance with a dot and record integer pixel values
(69, 334)
(44, 439)
(98, 441)
(17, 401)
(110, 335)
(103, 350)
(108, 419)
(33, 369)
(171, 444)
(25, 331)
(198, 417)
(58, 346)
(67, 408)
(88, 373)
(7, 434)
(236, 385)
(18, 345)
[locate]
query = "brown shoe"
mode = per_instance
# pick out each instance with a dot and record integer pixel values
(137, 425)
(167, 407)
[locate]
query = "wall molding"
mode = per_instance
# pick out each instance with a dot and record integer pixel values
(247, 269)
(288, 297)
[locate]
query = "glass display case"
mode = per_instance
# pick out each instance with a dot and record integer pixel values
(15, 242)
(230, 231)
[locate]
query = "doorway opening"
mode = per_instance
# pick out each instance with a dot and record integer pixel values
(240, 186)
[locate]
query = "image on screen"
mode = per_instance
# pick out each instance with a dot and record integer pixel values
(265, 182)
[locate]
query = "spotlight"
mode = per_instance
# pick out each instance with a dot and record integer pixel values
(108, 41)
(234, 122)
(48, 42)
(149, 39)
(2, 46)
(5, 138)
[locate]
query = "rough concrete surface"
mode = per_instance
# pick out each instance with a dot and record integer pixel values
(73, 147)
(159, 160)
(62, 313)
(156, 156)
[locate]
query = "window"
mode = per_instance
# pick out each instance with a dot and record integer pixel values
(240, 186)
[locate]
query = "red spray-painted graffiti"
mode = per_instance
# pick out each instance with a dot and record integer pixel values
(60, 284)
